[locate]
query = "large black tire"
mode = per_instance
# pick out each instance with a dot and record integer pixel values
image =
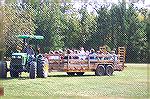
(3, 69)
(109, 70)
(100, 70)
(13, 72)
(32, 71)
(71, 73)
(42, 69)
(80, 73)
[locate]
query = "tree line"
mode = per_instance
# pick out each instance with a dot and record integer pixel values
(64, 27)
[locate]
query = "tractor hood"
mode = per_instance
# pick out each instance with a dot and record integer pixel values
(20, 54)
(19, 58)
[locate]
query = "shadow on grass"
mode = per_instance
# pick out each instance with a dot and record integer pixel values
(25, 78)
(69, 76)
(19, 78)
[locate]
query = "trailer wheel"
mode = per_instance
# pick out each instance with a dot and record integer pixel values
(3, 69)
(100, 70)
(32, 71)
(109, 70)
(71, 73)
(80, 73)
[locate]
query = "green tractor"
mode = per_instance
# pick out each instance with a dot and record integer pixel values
(33, 63)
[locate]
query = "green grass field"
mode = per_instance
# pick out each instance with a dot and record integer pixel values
(132, 82)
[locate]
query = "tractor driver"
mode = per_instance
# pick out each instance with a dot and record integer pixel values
(29, 50)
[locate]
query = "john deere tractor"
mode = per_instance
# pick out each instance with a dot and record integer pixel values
(36, 65)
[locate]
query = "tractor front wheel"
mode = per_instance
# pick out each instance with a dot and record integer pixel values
(100, 70)
(32, 71)
(3, 69)
(13, 72)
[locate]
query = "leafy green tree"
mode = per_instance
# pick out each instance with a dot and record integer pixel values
(133, 30)
(71, 32)
(84, 24)
(147, 30)
(118, 25)
(102, 32)
(15, 21)
(48, 21)
(71, 26)
(2, 40)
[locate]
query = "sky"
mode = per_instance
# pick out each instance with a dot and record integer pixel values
(140, 4)
(78, 4)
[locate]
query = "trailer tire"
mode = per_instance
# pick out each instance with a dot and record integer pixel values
(100, 70)
(32, 71)
(80, 73)
(109, 70)
(3, 69)
(71, 73)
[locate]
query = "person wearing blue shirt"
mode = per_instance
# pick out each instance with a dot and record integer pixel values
(92, 54)
(29, 50)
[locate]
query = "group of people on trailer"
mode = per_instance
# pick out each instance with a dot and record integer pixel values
(75, 54)
(82, 54)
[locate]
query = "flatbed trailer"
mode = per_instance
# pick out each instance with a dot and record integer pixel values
(101, 65)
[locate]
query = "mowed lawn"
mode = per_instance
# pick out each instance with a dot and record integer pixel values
(132, 82)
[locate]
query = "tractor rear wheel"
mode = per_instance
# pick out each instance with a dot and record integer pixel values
(71, 73)
(32, 71)
(109, 70)
(100, 70)
(80, 73)
(42, 69)
(3, 69)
